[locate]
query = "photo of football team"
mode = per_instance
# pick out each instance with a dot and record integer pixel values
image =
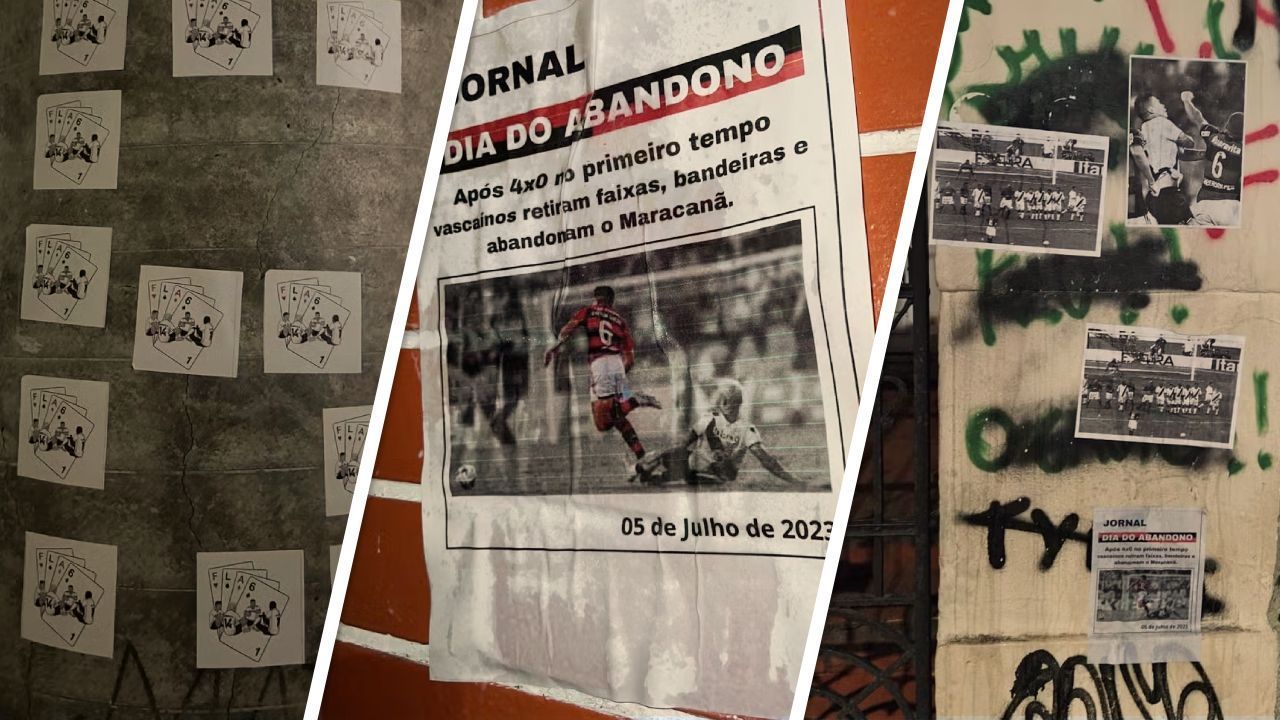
(689, 367)
(1018, 189)
(1150, 385)
(1134, 595)
(1186, 141)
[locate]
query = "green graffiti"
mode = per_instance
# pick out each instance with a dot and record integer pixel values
(986, 274)
(1234, 466)
(1175, 244)
(1120, 235)
(1260, 378)
(1128, 316)
(1265, 460)
(977, 446)
(1179, 313)
(1214, 24)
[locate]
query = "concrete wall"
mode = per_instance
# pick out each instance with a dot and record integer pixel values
(244, 174)
(1011, 339)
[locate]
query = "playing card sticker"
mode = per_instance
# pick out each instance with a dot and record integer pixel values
(311, 322)
(68, 594)
(249, 609)
(65, 274)
(77, 141)
(64, 430)
(344, 436)
(221, 37)
(83, 35)
(358, 44)
(188, 321)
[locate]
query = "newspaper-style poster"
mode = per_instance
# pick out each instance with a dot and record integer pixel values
(1148, 573)
(648, 313)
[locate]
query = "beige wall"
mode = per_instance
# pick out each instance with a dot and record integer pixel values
(991, 618)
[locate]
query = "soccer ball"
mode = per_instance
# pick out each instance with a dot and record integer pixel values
(466, 476)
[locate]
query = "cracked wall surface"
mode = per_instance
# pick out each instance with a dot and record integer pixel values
(244, 174)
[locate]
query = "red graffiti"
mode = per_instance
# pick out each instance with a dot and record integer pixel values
(1266, 16)
(1162, 30)
(1264, 133)
(1206, 50)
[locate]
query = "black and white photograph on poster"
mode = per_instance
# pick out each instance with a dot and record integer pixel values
(249, 609)
(1148, 570)
(221, 37)
(358, 44)
(188, 321)
(1018, 189)
(65, 275)
(77, 141)
(64, 430)
(1186, 141)
(686, 368)
(68, 594)
(311, 322)
(83, 35)
(1142, 384)
(345, 429)
(1126, 596)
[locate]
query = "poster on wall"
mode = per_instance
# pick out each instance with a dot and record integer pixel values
(1141, 384)
(69, 594)
(1147, 579)
(630, 269)
(221, 37)
(358, 44)
(65, 275)
(83, 36)
(249, 609)
(77, 141)
(1017, 189)
(64, 424)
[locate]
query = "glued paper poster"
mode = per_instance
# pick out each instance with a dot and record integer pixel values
(632, 386)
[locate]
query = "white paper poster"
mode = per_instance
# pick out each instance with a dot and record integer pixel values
(83, 35)
(345, 429)
(64, 430)
(188, 321)
(221, 37)
(77, 141)
(311, 322)
(358, 44)
(65, 275)
(632, 374)
(1148, 583)
(249, 609)
(69, 594)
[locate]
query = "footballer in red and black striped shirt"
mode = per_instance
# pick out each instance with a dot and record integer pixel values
(610, 354)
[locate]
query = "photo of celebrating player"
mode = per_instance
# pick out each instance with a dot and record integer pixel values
(1152, 385)
(1186, 141)
(1018, 189)
(638, 373)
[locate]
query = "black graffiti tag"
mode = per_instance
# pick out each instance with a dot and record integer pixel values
(1097, 694)
(1001, 518)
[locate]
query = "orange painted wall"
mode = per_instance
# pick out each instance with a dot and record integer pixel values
(894, 48)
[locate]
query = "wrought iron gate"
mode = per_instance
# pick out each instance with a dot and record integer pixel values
(876, 659)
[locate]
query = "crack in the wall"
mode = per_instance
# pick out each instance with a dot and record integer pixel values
(191, 445)
(275, 192)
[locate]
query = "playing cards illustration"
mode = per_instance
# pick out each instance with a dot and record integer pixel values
(311, 322)
(68, 597)
(188, 321)
(249, 609)
(83, 35)
(65, 274)
(221, 37)
(77, 141)
(358, 44)
(64, 430)
(344, 435)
